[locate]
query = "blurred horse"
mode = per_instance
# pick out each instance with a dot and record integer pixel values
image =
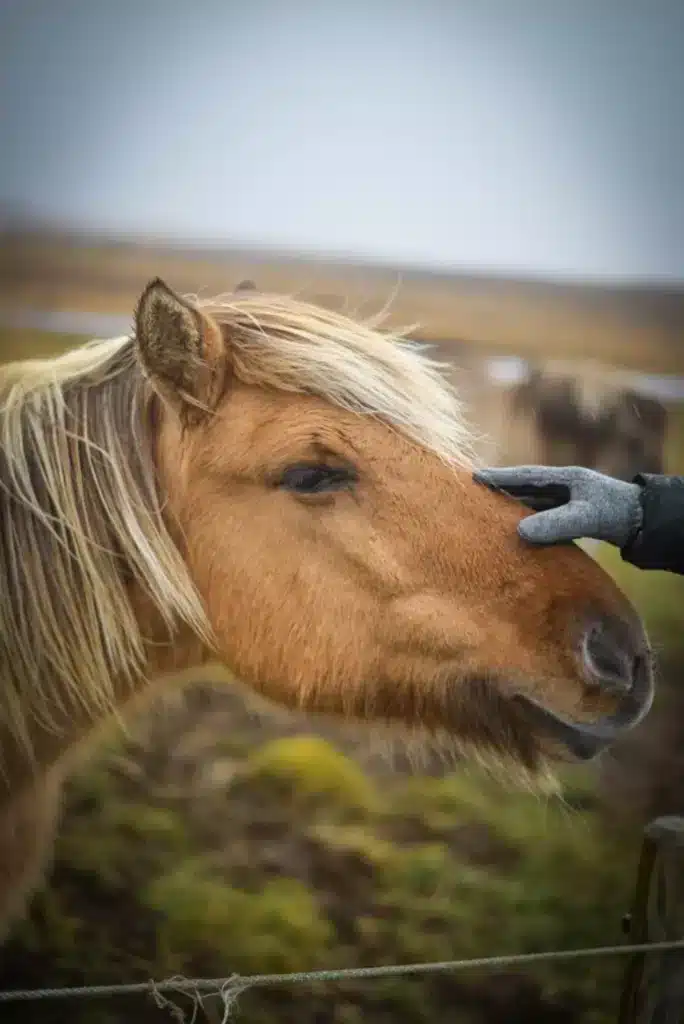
(567, 413)
(592, 416)
(287, 491)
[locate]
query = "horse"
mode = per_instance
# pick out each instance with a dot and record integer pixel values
(595, 416)
(258, 482)
(567, 413)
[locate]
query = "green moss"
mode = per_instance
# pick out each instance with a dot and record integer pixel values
(99, 845)
(310, 767)
(276, 929)
(358, 840)
(53, 918)
(362, 897)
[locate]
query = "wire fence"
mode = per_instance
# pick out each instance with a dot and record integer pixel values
(647, 998)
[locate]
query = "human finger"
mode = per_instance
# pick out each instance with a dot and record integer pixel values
(557, 525)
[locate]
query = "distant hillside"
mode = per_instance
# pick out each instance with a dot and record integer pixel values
(637, 326)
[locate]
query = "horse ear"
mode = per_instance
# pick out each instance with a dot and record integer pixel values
(181, 349)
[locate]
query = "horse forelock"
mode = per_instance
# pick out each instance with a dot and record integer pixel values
(283, 343)
(80, 518)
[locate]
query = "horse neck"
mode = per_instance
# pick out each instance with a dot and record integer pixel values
(72, 730)
(61, 681)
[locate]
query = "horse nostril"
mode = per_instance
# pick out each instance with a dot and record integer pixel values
(626, 668)
(609, 656)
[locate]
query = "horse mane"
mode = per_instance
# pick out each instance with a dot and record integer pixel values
(80, 516)
(283, 343)
(80, 507)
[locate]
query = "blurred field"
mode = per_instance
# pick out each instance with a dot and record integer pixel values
(22, 343)
(221, 836)
(640, 328)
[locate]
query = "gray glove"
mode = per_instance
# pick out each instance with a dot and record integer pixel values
(576, 502)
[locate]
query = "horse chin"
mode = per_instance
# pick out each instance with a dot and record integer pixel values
(531, 770)
(490, 728)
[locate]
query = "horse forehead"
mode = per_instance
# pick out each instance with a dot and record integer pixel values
(255, 421)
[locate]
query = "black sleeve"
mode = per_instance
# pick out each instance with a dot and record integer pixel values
(659, 543)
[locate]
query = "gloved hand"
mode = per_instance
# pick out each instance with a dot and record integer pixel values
(576, 503)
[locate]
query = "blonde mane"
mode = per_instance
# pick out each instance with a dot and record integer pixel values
(81, 512)
(81, 516)
(280, 342)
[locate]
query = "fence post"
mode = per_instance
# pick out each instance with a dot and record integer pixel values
(653, 989)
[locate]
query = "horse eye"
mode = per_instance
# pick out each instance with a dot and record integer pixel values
(315, 479)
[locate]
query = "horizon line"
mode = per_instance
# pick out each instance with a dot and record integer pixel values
(13, 223)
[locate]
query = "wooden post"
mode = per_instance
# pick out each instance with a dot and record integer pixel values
(653, 989)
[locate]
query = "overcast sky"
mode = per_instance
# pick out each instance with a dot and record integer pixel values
(523, 135)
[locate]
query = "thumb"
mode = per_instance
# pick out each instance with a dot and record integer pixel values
(569, 522)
